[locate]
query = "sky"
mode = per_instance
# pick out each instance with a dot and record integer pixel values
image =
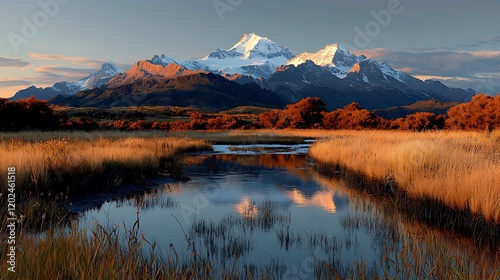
(47, 41)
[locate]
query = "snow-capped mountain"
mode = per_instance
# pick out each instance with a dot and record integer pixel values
(108, 70)
(332, 73)
(369, 83)
(173, 85)
(335, 57)
(252, 55)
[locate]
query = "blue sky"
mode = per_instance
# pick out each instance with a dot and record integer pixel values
(46, 41)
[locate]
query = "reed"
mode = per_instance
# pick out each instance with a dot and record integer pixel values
(52, 167)
(103, 253)
(50, 162)
(407, 251)
(455, 173)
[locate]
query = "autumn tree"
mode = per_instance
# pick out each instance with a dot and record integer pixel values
(419, 121)
(160, 126)
(352, 116)
(81, 124)
(27, 113)
(140, 125)
(307, 113)
(120, 124)
(269, 119)
(198, 121)
(482, 112)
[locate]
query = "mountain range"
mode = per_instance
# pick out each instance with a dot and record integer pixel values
(254, 72)
(107, 71)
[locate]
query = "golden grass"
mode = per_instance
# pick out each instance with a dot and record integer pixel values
(411, 250)
(45, 159)
(242, 136)
(100, 253)
(459, 169)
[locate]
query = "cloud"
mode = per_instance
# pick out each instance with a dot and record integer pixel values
(78, 60)
(66, 71)
(490, 40)
(14, 83)
(47, 76)
(478, 70)
(13, 62)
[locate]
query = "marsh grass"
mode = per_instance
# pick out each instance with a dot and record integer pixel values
(406, 249)
(103, 253)
(52, 167)
(115, 252)
(70, 163)
(447, 178)
(409, 251)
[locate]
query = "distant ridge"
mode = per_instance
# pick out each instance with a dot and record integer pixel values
(108, 70)
(276, 76)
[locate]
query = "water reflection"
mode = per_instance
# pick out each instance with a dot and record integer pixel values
(246, 208)
(272, 208)
(291, 182)
(321, 199)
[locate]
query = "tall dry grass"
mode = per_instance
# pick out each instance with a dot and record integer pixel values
(459, 169)
(43, 160)
(410, 250)
(104, 253)
(263, 136)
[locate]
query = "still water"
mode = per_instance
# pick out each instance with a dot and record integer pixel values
(262, 205)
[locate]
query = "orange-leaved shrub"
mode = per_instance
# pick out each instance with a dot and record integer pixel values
(419, 121)
(482, 112)
(353, 116)
(27, 113)
(307, 113)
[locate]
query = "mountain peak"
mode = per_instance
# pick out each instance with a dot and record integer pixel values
(147, 69)
(252, 45)
(252, 55)
(247, 43)
(110, 68)
(162, 60)
(334, 56)
(328, 56)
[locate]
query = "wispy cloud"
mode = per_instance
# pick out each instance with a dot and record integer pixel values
(13, 62)
(442, 78)
(47, 76)
(77, 60)
(490, 40)
(469, 69)
(66, 71)
(14, 83)
(439, 62)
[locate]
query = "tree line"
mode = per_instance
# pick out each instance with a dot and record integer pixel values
(481, 113)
